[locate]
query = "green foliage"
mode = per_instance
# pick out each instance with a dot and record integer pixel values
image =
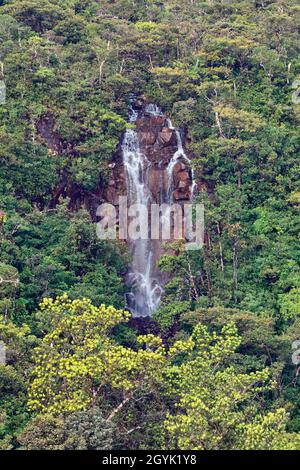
(84, 430)
(54, 252)
(77, 360)
(217, 407)
(226, 73)
(43, 432)
(18, 343)
(88, 430)
(166, 315)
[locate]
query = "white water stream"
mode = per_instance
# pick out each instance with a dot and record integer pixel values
(143, 276)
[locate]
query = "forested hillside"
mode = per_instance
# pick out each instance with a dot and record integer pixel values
(212, 369)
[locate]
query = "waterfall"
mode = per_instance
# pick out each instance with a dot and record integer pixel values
(178, 155)
(144, 279)
(153, 110)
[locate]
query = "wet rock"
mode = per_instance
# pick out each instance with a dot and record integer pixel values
(150, 123)
(147, 138)
(181, 184)
(179, 167)
(157, 120)
(179, 195)
(166, 136)
(158, 183)
(181, 177)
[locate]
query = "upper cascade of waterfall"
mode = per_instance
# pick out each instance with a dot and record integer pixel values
(178, 155)
(153, 110)
(133, 115)
(135, 163)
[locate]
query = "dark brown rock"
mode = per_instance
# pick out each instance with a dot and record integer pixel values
(140, 102)
(158, 182)
(179, 195)
(181, 176)
(166, 135)
(179, 167)
(147, 138)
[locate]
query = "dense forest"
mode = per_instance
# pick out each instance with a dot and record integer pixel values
(214, 368)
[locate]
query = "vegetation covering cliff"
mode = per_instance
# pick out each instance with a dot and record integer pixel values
(213, 369)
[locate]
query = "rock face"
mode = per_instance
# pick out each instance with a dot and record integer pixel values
(159, 143)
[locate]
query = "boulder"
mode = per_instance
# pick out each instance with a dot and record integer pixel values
(181, 177)
(140, 102)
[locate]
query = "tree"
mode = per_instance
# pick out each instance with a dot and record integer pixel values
(84, 430)
(43, 432)
(78, 360)
(215, 406)
(88, 430)
(18, 343)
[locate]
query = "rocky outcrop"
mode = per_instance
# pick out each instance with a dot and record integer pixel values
(158, 142)
(47, 134)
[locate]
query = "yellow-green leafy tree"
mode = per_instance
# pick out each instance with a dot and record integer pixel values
(217, 407)
(79, 360)
(210, 401)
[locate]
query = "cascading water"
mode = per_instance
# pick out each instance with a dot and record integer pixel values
(146, 289)
(178, 155)
(144, 278)
(153, 110)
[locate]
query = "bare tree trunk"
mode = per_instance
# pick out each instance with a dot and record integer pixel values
(102, 62)
(234, 89)
(219, 125)
(119, 407)
(235, 268)
(220, 248)
(288, 72)
(239, 178)
(101, 70)
(192, 281)
(177, 49)
(121, 66)
(296, 375)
